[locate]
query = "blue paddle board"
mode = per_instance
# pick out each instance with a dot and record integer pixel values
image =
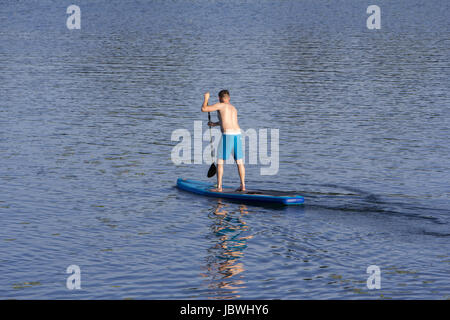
(267, 196)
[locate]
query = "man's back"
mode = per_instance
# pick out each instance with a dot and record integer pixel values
(228, 117)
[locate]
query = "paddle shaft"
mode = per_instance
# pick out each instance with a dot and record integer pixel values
(210, 137)
(212, 169)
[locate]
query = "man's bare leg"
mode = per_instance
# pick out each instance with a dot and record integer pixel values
(219, 177)
(241, 170)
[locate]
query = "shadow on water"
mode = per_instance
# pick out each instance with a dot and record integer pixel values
(351, 199)
(224, 270)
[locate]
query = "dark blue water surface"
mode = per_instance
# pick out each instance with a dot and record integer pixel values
(86, 177)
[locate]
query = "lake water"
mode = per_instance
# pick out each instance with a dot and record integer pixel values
(86, 176)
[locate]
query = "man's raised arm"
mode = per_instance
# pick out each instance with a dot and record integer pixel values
(206, 108)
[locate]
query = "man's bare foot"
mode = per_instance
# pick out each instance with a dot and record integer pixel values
(241, 188)
(216, 190)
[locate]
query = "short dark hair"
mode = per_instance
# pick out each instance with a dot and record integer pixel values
(222, 93)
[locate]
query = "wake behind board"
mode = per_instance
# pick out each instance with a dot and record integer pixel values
(267, 196)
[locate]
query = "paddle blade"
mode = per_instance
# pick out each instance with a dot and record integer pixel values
(212, 170)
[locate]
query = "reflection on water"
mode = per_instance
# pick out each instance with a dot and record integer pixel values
(224, 267)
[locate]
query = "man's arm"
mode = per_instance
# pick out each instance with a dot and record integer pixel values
(214, 124)
(214, 107)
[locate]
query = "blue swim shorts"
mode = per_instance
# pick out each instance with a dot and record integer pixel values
(230, 143)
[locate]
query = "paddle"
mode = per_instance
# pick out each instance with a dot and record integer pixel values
(212, 170)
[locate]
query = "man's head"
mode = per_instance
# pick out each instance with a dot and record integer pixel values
(224, 96)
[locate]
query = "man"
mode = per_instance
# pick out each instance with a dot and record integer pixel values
(231, 140)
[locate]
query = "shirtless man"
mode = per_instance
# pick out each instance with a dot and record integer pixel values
(231, 140)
